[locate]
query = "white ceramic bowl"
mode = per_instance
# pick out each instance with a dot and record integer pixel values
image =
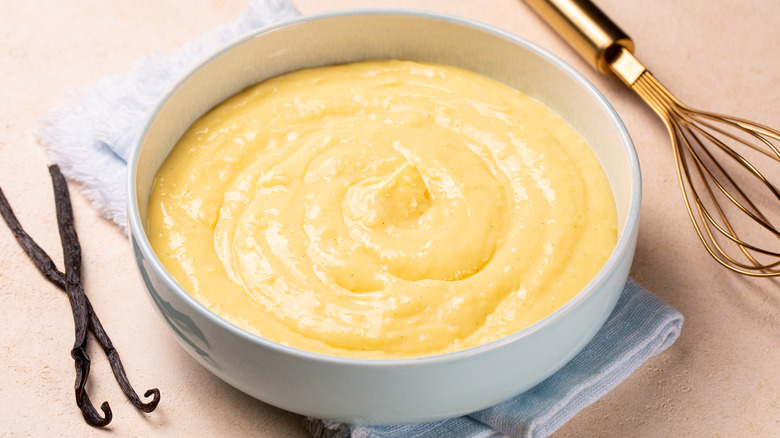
(386, 391)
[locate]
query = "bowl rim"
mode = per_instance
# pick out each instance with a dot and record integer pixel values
(623, 247)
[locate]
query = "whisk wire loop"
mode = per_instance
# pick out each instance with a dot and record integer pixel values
(708, 185)
(752, 211)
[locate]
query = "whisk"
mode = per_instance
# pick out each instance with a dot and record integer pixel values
(717, 156)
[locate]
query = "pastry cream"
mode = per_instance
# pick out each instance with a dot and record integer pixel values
(382, 209)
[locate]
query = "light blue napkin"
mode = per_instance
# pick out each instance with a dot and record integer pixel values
(90, 134)
(640, 327)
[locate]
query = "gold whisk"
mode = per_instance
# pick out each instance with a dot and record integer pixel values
(713, 152)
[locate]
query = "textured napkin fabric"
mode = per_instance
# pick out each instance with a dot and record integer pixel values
(90, 135)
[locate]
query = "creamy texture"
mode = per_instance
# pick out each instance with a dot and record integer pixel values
(382, 209)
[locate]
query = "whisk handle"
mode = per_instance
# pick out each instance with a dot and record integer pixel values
(588, 30)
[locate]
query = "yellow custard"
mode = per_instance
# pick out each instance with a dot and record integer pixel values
(382, 209)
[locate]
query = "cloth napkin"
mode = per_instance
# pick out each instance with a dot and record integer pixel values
(90, 133)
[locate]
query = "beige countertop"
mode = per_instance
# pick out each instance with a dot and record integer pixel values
(719, 379)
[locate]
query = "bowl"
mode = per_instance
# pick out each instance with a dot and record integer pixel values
(399, 390)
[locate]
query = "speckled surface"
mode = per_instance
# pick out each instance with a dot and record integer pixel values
(719, 379)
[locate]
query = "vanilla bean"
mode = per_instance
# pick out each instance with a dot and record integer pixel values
(72, 256)
(42, 260)
(118, 369)
(47, 267)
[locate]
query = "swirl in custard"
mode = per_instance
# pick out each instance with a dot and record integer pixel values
(382, 209)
